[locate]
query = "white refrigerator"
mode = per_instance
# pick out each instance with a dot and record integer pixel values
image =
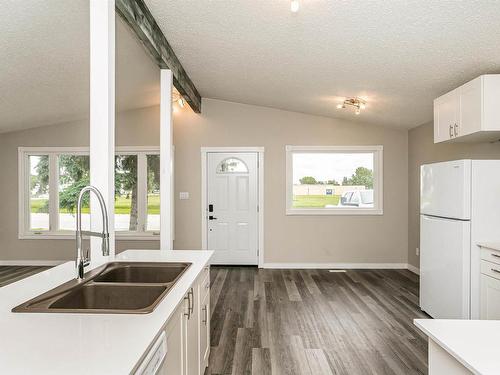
(459, 208)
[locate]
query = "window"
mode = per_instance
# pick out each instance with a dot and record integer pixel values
(153, 198)
(38, 193)
(74, 175)
(334, 180)
(50, 181)
(232, 165)
(126, 215)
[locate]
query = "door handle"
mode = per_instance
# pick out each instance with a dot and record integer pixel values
(455, 130)
(212, 217)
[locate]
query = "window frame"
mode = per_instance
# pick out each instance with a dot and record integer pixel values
(24, 230)
(378, 178)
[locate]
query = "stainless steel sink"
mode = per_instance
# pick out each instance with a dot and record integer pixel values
(117, 287)
(110, 297)
(131, 273)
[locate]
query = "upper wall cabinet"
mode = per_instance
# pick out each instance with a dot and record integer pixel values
(470, 113)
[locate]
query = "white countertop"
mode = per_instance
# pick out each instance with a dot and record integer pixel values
(38, 343)
(474, 343)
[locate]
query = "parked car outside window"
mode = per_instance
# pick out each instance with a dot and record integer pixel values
(357, 198)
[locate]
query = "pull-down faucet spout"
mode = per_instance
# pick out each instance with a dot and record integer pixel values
(83, 260)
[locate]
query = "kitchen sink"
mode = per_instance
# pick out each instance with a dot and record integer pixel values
(131, 273)
(116, 287)
(95, 296)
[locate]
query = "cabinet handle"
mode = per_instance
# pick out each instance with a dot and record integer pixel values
(494, 270)
(495, 255)
(188, 314)
(207, 285)
(451, 131)
(191, 305)
(455, 130)
(205, 315)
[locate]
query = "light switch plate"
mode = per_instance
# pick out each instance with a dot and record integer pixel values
(184, 195)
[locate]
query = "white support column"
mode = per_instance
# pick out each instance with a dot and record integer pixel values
(142, 191)
(102, 116)
(166, 177)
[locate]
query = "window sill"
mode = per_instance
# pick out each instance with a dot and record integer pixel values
(334, 211)
(65, 236)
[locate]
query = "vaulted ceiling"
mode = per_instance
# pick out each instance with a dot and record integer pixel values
(399, 55)
(44, 65)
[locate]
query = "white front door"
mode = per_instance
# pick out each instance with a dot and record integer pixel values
(232, 207)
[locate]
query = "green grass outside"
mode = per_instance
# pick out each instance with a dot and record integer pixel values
(315, 201)
(122, 205)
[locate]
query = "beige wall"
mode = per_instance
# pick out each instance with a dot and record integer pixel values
(422, 150)
(134, 128)
(308, 239)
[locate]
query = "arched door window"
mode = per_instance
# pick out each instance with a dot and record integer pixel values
(232, 165)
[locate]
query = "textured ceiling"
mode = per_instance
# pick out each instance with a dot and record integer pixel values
(400, 55)
(44, 64)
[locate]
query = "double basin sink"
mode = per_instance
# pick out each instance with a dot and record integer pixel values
(115, 288)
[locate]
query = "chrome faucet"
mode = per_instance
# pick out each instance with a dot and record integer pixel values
(83, 260)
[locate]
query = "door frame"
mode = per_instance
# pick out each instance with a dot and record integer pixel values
(260, 194)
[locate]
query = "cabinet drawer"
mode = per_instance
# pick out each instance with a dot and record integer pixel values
(490, 255)
(490, 269)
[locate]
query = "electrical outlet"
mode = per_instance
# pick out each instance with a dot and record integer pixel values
(417, 251)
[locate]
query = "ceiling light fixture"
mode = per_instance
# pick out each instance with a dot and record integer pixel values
(176, 97)
(357, 103)
(294, 6)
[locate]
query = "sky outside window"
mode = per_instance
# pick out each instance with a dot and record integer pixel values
(329, 166)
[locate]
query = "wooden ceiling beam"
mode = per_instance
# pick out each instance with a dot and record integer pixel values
(137, 15)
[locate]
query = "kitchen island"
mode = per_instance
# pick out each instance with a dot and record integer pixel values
(462, 346)
(69, 343)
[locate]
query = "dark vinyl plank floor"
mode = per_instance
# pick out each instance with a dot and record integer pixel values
(315, 322)
(308, 321)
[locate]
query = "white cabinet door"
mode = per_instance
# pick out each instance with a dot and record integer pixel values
(446, 110)
(192, 329)
(490, 297)
(470, 108)
(204, 331)
(174, 360)
(470, 112)
(445, 267)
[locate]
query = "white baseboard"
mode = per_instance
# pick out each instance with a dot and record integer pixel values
(413, 269)
(336, 265)
(31, 262)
